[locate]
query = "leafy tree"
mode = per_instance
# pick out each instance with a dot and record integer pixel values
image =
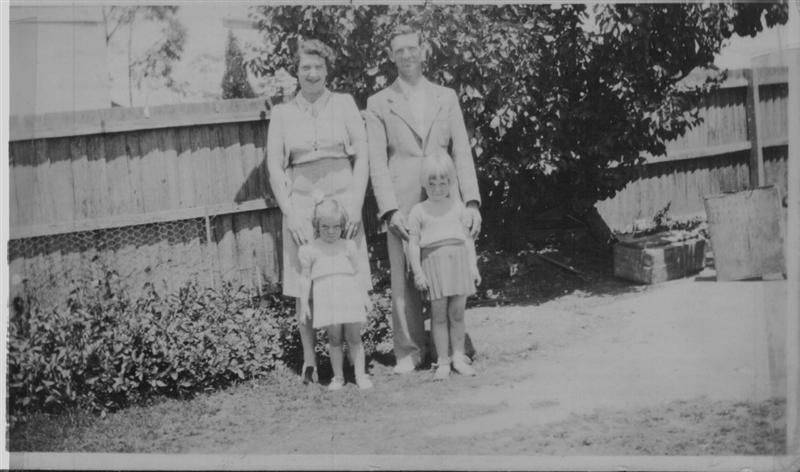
(234, 82)
(560, 100)
(156, 61)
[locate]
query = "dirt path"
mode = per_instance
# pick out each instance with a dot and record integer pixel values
(676, 341)
(607, 357)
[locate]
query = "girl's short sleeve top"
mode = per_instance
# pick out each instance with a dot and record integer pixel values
(432, 229)
(319, 258)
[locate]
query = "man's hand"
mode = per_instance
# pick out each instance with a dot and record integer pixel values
(420, 281)
(397, 225)
(297, 229)
(473, 219)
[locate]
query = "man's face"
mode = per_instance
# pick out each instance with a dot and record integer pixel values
(407, 55)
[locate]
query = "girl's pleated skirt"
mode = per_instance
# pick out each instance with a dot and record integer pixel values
(447, 269)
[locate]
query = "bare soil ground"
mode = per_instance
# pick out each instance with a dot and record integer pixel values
(568, 366)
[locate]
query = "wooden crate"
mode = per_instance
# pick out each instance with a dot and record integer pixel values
(658, 258)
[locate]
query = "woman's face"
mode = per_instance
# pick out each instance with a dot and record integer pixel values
(330, 228)
(312, 72)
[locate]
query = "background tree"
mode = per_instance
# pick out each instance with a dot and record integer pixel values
(234, 81)
(156, 60)
(560, 100)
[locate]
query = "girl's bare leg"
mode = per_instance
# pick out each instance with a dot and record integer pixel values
(441, 337)
(439, 330)
(308, 339)
(455, 313)
(335, 339)
(352, 333)
(355, 350)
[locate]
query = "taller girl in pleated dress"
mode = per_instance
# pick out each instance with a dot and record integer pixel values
(442, 258)
(330, 274)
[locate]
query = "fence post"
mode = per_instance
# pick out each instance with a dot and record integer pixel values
(209, 235)
(753, 120)
(793, 261)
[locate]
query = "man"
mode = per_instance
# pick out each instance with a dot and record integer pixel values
(411, 119)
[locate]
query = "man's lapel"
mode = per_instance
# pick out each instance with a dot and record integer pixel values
(432, 106)
(398, 103)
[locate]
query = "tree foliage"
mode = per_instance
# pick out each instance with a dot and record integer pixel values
(234, 81)
(560, 100)
(155, 62)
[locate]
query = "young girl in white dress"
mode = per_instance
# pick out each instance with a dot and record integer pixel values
(329, 267)
(442, 258)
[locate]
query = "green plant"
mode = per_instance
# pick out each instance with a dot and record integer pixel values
(102, 351)
(551, 123)
(234, 81)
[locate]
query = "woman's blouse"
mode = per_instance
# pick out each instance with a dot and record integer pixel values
(320, 258)
(432, 229)
(301, 132)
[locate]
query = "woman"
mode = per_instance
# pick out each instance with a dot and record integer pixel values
(316, 144)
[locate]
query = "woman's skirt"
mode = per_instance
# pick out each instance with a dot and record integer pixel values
(447, 269)
(334, 177)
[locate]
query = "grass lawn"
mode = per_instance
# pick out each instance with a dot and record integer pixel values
(544, 311)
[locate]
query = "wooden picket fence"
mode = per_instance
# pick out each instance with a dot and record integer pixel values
(742, 143)
(160, 196)
(155, 196)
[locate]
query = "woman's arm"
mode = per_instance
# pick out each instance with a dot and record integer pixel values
(278, 180)
(358, 139)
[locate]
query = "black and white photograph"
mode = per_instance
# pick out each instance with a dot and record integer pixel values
(437, 235)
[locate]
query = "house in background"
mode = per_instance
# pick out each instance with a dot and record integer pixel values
(58, 59)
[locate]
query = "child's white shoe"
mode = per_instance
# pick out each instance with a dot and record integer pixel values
(442, 372)
(462, 367)
(336, 384)
(404, 366)
(363, 382)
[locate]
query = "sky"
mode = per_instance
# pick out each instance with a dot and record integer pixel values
(202, 65)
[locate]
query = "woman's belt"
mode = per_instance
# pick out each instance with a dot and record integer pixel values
(308, 193)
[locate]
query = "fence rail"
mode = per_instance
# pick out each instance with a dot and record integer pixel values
(170, 193)
(741, 143)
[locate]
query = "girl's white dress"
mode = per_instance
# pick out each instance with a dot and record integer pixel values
(337, 295)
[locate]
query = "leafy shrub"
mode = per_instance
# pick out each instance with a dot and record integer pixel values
(103, 351)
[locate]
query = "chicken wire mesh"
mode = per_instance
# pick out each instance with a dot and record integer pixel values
(162, 255)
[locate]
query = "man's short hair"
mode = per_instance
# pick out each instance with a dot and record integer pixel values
(402, 30)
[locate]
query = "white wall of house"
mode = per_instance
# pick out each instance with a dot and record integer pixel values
(57, 59)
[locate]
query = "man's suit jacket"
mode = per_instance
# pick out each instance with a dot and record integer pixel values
(397, 145)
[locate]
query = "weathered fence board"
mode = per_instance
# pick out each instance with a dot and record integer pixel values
(711, 158)
(161, 181)
(746, 233)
